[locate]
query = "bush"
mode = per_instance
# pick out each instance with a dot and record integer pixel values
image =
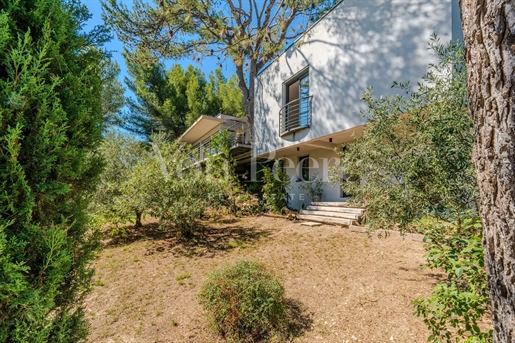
(458, 304)
(173, 191)
(418, 172)
(50, 127)
(153, 178)
(244, 301)
(275, 188)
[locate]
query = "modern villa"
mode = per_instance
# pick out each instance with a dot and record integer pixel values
(307, 100)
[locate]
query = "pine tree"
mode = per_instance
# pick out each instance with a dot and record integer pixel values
(249, 33)
(50, 124)
(171, 100)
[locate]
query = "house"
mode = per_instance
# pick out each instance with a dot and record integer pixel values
(308, 99)
(201, 132)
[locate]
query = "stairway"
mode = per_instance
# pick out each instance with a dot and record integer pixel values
(339, 213)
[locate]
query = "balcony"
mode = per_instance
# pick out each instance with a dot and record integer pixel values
(239, 142)
(295, 115)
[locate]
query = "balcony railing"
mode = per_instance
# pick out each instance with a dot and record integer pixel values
(295, 115)
(203, 150)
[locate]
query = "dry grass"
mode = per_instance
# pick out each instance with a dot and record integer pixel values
(346, 287)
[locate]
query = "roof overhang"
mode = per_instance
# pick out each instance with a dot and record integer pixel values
(328, 142)
(202, 126)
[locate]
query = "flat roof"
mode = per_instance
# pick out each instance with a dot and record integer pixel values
(199, 128)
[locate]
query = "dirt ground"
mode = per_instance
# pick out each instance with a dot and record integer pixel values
(347, 287)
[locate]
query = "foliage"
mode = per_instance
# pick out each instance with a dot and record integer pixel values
(155, 178)
(221, 166)
(245, 302)
(251, 34)
(275, 188)
(459, 303)
(170, 100)
(314, 187)
(178, 193)
(229, 95)
(50, 125)
(419, 149)
(118, 198)
(112, 93)
(418, 164)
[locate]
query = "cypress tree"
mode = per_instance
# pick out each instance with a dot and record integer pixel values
(50, 126)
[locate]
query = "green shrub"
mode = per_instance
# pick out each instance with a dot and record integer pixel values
(245, 302)
(50, 126)
(118, 199)
(459, 303)
(174, 192)
(413, 167)
(275, 188)
(153, 178)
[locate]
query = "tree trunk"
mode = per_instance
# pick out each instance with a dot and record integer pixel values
(138, 219)
(248, 93)
(489, 31)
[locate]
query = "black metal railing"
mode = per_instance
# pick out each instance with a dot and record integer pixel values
(295, 115)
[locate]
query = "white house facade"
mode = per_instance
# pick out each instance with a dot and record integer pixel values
(307, 101)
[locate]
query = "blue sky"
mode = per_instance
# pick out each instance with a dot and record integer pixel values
(116, 47)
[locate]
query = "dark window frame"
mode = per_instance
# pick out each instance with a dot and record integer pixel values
(303, 169)
(296, 103)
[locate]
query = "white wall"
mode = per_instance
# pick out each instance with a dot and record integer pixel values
(320, 162)
(361, 43)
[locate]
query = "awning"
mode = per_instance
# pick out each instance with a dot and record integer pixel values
(199, 128)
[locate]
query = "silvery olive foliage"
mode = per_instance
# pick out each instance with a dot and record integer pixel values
(412, 168)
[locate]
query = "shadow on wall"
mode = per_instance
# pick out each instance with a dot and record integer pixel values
(359, 44)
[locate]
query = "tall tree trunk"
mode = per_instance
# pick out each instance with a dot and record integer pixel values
(489, 31)
(248, 92)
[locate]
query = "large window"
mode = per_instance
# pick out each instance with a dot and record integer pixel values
(296, 113)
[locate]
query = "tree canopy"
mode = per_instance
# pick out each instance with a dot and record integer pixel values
(171, 100)
(50, 125)
(419, 149)
(413, 169)
(249, 33)
(112, 92)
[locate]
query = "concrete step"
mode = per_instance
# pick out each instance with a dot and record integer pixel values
(354, 210)
(326, 220)
(331, 204)
(346, 215)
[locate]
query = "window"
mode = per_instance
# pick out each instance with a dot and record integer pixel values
(304, 168)
(296, 113)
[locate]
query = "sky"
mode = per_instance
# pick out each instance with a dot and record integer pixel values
(116, 47)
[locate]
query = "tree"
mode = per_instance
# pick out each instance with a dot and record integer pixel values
(250, 33)
(488, 28)
(170, 101)
(417, 172)
(50, 125)
(119, 199)
(155, 177)
(112, 92)
(419, 149)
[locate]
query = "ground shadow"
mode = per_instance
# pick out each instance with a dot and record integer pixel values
(298, 322)
(207, 240)
(295, 324)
